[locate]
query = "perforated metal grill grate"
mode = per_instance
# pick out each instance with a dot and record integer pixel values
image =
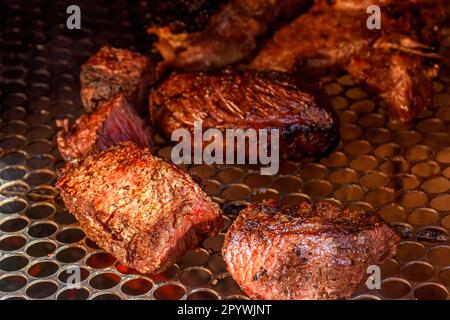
(400, 171)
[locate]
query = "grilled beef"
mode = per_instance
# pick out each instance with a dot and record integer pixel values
(113, 71)
(144, 211)
(336, 36)
(112, 122)
(249, 100)
(305, 252)
(229, 37)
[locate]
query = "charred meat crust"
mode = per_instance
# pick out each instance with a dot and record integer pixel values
(229, 37)
(112, 71)
(112, 122)
(305, 252)
(249, 99)
(144, 211)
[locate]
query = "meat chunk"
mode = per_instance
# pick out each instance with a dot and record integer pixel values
(144, 211)
(112, 122)
(229, 37)
(249, 100)
(305, 252)
(113, 71)
(336, 36)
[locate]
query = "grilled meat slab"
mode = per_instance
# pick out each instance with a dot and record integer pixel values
(336, 36)
(249, 100)
(305, 252)
(229, 37)
(113, 71)
(144, 211)
(112, 122)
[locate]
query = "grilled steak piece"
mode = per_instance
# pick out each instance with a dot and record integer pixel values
(113, 71)
(144, 211)
(249, 100)
(336, 36)
(229, 37)
(112, 122)
(305, 252)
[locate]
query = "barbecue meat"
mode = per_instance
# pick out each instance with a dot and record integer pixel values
(305, 252)
(249, 100)
(336, 36)
(229, 37)
(113, 71)
(112, 122)
(144, 211)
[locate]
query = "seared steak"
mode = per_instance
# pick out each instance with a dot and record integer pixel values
(247, 99)
(144, 211)
(306, 251)
(337, 36)
(229, 37)
(113, 71)
(112, 122)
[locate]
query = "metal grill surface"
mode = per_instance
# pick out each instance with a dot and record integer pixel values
(399, 171)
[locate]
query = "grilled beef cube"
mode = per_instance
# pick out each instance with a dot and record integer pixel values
(399, 59)
(306, 251)
(113, 71)
(249, 100)
(144, 211)
(112, 122)
(229, 37)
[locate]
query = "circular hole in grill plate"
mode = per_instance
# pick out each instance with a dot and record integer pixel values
(42, 230)
(13, 157)
(39, 177)
(229, 175)
(12, 189)
(260, 194)
(42, 269)
(136, 287)
(423, 217)
(40, 211)
(203, 295)
(42, 193)
(389, 268)
(395, 288)
(40, 248)
(418, 153)
(41, 161)
(75, 274)
(439, 255)
(64, 217)
(203, 171)
(436, 185)
(13, 224)
(374, 179)
(13, 263)
(257, 180)
(71, 235)
(413, 199)
(287, 184)
(233, 208)
(444, 276)
(11, 206)
(104, 281)
(195, 277)
(70, 254)
(166, 275)
(211, 187)
(294, 198)
(317, 188)
(11, 283)
(441, 203)
(106, 296)
(366, 297)
(236, 192)
(100, 260)
(12, 173)
(417, 271)
(169, 292)
(392, 213)
(432, 234)
(349, 193)
(12, 243)
(410, 251)
(430, 291)
(41, 289)
(73, 294)
(194, 257)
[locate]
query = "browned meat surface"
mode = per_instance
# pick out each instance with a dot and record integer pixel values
(112, 122)
(249, 100)
(183, 15)
(113, 71)
(144, 211)
(305, 252)
(229, 37)
(336, 36)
